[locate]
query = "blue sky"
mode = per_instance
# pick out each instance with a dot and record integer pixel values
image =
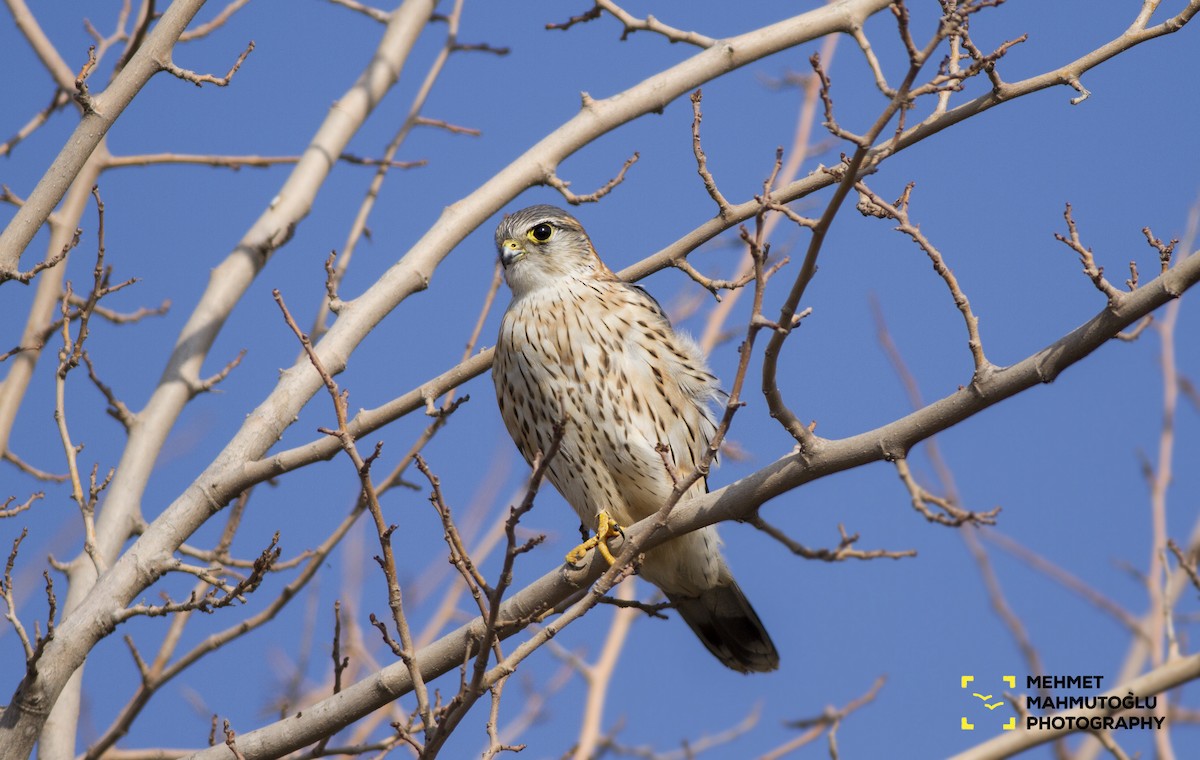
(1063, 460)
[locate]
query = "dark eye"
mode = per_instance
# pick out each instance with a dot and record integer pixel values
(541, 233)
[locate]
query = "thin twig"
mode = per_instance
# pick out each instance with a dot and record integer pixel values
(562, 186)
(200, 79)
(1094, 273)
(845, 548)
(873, 205)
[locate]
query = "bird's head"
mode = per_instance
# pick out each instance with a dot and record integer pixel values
(542, 245)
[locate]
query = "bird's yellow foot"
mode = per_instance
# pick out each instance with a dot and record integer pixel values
(606, 528)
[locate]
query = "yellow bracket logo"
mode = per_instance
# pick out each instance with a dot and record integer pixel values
(1009, 681)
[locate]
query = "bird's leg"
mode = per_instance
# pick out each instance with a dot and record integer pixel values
(606, 528)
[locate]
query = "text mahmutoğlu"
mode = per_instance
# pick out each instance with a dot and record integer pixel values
(1100, 702)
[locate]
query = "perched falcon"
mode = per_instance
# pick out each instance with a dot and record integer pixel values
(579, 345)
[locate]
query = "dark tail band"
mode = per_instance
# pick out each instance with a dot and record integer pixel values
(728, 626)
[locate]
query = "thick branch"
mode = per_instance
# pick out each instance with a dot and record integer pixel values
(738, 500)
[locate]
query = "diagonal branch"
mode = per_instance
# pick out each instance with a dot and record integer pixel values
(92, 128)
(738, 500)
(263, 427)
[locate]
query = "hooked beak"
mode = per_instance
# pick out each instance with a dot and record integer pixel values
(511, 251)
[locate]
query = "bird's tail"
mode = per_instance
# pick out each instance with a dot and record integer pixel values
(728, 626)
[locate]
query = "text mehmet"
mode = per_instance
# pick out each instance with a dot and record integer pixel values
(1063, 682)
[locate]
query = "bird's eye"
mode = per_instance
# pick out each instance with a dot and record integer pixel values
(540, 233)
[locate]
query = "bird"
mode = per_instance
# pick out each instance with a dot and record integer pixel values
(581, 348)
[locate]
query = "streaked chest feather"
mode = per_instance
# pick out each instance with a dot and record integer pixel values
(601, 358)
